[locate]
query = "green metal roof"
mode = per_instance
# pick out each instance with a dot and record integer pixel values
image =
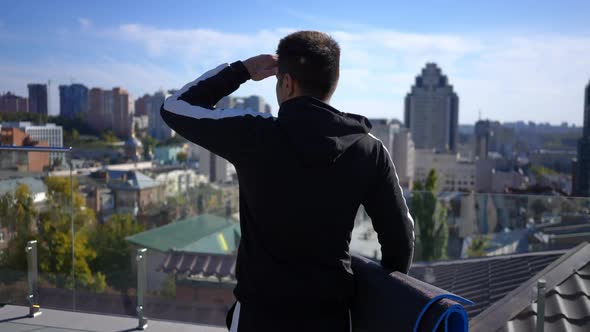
(203, 234)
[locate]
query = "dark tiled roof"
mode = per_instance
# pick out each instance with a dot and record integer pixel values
(567, 307)
(484, 280)
(200, 265)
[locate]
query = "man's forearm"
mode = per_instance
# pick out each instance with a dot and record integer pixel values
(208, 92)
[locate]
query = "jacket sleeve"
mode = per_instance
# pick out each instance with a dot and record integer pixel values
(226, 132)
(386, 206)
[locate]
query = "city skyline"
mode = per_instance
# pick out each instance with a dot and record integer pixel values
(527, 63)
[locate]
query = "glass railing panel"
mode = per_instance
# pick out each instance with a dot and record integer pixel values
(27, 210)
(481, 224)
(191, 232)
(191, 268)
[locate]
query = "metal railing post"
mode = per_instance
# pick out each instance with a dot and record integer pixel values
(32, 276)
(141, 287)
(541, 305)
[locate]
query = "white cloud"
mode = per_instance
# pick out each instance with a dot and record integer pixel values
(85, 23)
(508, 77)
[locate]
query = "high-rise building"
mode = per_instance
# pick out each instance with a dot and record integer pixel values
(255, 103)
(96, 117)
(398, 141)
(432, 111)
(582, 176)
(38, 102)
(11, 103)
(122, 112)
(157, 128)
(213, 166)
(73, 100)
(111, 110)
(141, 105)
(403, 154)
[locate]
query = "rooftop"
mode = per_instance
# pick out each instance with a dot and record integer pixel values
(205, 234)
(14, 319)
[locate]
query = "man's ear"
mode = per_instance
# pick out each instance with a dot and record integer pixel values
(289, 85)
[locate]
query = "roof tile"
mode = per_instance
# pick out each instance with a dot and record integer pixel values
(485, 280)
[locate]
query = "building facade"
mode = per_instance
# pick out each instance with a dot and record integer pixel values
(96, 117)
(398, 141)
(73, 100)
(432, 111)
(111, 110)
(49, 133)
(10, 103)
(157, 128)
(38, 102)
(22, 161)
(122, 112)
(453, 173)
(177, 180)
(582, 176)
(215, 168)
(403, 154)
(141, 105)
(493, 177)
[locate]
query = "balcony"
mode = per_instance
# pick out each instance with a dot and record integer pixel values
(112, 239)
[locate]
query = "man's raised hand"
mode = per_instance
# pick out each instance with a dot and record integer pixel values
(261, 66)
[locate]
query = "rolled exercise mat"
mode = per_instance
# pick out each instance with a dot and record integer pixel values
(398, 302)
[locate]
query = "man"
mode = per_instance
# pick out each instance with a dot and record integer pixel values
(303, 176)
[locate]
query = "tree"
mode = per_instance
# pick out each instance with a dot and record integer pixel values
(55, 238)
(17, 211)
(539, 207)
(75, 135)
(17, 215)
(181, 157)
(430, 216)
(113, 252)
(149, 141)
(53, 235)
(478, 246)
(109, 136)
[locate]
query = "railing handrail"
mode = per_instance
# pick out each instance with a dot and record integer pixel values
(34, 148)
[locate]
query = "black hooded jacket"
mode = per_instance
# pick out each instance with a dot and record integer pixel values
(302, 176)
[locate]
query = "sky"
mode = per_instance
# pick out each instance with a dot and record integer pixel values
(507, 60)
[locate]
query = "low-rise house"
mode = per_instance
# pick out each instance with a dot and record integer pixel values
(177, 180)
(168, 154)
(204, 234)
(134, 192)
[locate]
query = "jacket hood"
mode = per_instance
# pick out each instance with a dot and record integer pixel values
(318, 132)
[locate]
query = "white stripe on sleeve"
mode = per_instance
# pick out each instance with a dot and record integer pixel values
(235, 320)
(181, 107)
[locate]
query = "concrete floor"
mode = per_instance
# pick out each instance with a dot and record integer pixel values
(14, 319)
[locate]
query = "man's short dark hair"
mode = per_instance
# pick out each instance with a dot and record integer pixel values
(312, 58)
